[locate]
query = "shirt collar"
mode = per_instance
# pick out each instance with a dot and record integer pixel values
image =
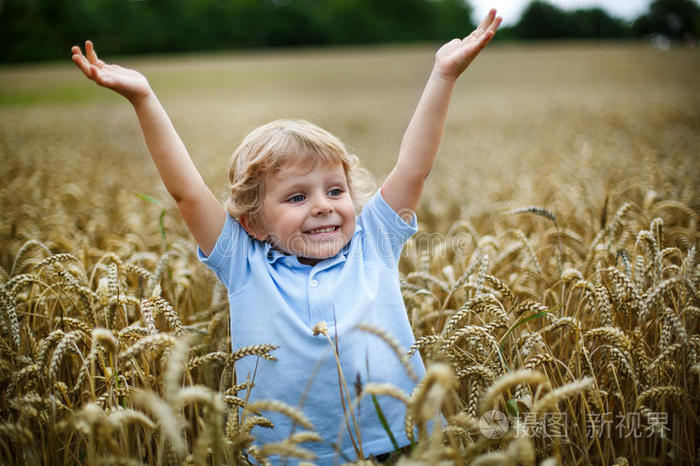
(273, 255)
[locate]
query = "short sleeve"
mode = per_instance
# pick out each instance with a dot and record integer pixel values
(229, 257)
(385, 228)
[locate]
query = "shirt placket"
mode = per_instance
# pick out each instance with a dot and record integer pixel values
(321, 305)
(314, 292)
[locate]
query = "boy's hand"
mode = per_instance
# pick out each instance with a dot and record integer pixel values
(129, 83)
(455, 56)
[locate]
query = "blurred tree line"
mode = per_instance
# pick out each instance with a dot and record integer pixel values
(45, 29)
(37, 29)
(676, 19)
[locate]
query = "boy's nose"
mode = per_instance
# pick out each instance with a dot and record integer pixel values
(321, 207)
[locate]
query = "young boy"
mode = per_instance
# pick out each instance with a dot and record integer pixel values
(292, 253)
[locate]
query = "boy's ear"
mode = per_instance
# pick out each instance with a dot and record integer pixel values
(250, 227)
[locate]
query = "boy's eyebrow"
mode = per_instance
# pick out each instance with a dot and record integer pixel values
(287, 184)
(337, 180)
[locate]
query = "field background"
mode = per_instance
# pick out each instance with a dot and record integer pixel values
(593, 119)
(575, 128)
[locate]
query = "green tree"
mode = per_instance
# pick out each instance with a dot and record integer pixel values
(677, 19)
(45, 29)
(542, 20)
(596, 23)
(452, 18)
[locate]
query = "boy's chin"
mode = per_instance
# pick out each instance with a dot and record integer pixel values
(319, 254)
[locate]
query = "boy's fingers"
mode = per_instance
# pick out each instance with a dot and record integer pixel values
(491, 31)
(95, 74)
(90, 65)
(485, 35)
(496, 23)
(485, 24)
(92, 55)
(90, 52)
(487, 20)
(485, 39)
(88, 70)
(82, 63)
(77, 54)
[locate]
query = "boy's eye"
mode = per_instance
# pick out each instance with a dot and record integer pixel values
(296, 198)
(335, 192)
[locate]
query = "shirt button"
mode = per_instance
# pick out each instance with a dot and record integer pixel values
(313, 283)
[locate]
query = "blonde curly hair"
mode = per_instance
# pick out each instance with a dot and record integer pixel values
(267, 149)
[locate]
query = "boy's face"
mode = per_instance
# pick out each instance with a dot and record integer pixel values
(307, 211)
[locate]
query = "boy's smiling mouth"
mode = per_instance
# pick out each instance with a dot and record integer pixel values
(321, 230)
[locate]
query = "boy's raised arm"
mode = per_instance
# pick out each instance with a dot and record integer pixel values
(202, 212)
(403, 187)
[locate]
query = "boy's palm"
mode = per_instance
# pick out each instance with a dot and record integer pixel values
(455, 56)
(129, 83)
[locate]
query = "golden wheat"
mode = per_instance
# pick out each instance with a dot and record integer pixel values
(114, 344)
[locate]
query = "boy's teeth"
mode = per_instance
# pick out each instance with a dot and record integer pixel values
(323, 230)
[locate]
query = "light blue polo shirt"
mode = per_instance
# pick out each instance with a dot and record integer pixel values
(275, 299)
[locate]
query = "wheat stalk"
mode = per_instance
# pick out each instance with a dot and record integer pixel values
(283, 408)
(393, 345)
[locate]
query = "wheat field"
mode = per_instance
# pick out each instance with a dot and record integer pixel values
(552, 287)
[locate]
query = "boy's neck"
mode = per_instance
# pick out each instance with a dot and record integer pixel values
(308, 261)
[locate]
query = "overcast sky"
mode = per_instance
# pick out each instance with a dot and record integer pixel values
(510, 10)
